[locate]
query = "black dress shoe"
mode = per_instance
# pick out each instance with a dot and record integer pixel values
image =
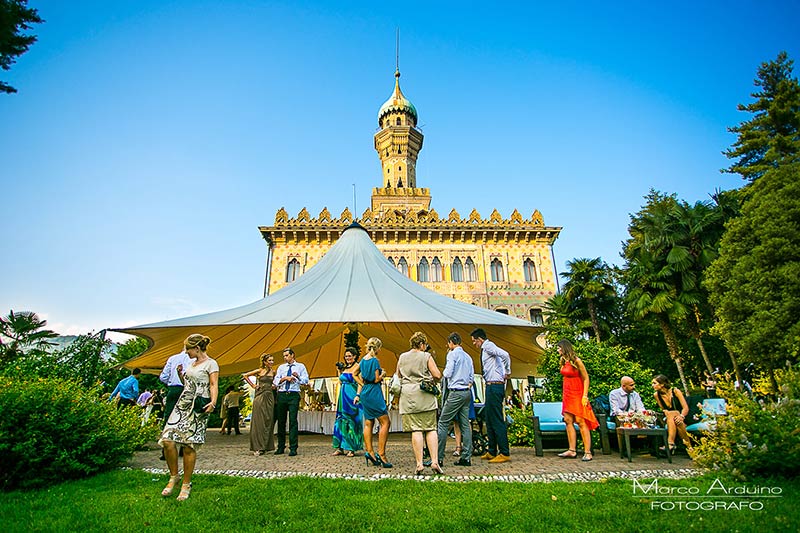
(278, 452)
(463, 462)
(292, 453)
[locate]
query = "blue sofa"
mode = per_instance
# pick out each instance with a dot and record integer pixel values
(549, 422)
(712, 408)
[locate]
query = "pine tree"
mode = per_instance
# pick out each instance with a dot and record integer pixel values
(15, 17)
(772, 136)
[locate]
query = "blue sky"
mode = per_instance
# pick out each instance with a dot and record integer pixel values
(150, 139)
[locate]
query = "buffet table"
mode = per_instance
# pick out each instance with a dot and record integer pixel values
(322, 421)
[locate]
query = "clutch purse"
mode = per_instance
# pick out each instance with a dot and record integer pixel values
(200, 404)
(429, 386)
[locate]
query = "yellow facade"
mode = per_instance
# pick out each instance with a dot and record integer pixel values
(496, 263)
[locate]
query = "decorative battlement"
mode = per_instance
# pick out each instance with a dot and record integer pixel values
(401, 191)
(410, 219)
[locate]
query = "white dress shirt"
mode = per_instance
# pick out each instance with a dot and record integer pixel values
(290, 386)
(169, 376)
(496, 362)
(617, 398)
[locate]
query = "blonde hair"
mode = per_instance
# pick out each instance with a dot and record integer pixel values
(417, 338)
(374, 344)
(196, 340)
(264, 357)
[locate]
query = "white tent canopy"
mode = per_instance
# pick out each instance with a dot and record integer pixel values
(353, 287)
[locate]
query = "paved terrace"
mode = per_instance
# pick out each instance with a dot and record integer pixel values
(230, 455)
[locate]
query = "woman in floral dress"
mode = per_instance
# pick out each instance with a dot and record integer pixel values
(186, 426)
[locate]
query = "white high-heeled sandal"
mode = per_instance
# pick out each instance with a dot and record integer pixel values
(186, 489)
(173, 480)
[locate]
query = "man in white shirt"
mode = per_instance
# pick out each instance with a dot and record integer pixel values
(496, 363)
(625, 398)
(288, 378)
(459, 373)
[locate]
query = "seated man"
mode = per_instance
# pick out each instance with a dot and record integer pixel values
(625, 398)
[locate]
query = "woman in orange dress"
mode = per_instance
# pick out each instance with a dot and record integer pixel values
(575, 402)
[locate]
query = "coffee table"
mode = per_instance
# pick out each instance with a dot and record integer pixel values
(623, 432)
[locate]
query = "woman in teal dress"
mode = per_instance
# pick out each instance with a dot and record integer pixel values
(348, 430)
(370, 396)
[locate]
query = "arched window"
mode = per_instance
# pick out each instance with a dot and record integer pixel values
(536, 317)
(497, 270)
(423, 270)
(391, 260)
(402, 266)
(502, 311)
(457, 270)
(472, 272)
(292, 270)
(437, 272)
(399, 122)
(529, 268)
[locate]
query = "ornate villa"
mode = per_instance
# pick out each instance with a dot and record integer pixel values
(497, 263)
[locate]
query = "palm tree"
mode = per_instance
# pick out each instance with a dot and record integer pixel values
(588, 280)
(22, 333)
(653, 261)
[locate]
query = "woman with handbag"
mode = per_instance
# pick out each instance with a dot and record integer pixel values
(186, 425)
(370, 396)
(418, 375)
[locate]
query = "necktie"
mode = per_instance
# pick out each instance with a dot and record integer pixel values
(289, 373)
(627, 401)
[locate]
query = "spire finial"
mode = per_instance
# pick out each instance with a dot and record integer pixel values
(397, 54)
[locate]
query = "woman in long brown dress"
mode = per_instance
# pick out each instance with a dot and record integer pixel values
(262, 422)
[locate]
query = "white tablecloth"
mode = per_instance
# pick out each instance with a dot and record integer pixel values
(322, 421)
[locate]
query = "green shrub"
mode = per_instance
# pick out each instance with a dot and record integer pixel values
(520, 433)
(52, 430)
(755, 439)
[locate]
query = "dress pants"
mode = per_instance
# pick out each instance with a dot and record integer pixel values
(495, 420)
(232, 422)
(456, 407)
(288, 403)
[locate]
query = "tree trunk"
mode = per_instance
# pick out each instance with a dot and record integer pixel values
(736, 371)
(672, 346)
(593, 315)
(697, 333)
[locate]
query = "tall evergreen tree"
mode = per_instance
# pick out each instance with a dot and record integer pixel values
(772, 136)
(15, 17)
(755, 282)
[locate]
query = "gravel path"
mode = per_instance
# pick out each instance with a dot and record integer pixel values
(230, 455)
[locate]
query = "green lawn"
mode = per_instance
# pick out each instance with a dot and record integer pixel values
(130, 501)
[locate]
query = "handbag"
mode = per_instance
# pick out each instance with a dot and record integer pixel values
(200, 404)
(429, 386)
(395, 386)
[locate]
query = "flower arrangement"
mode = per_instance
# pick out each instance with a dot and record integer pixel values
(637, 419)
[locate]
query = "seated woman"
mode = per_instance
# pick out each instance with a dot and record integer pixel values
(673, 403)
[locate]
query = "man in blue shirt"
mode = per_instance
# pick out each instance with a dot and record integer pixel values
(127, 390)
(496, 364)
(459, 373)
(288, 378)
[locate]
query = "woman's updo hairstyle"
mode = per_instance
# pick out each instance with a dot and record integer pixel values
(196, 340)
(374, 344)
(418, 338)
(264, 357)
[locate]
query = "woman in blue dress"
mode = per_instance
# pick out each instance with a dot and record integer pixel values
(370, 396)
(348, 430)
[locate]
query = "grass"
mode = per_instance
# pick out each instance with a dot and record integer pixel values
(127, 500)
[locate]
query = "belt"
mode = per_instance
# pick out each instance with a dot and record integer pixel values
(289, 392)
(457, 389)
(495, 382)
